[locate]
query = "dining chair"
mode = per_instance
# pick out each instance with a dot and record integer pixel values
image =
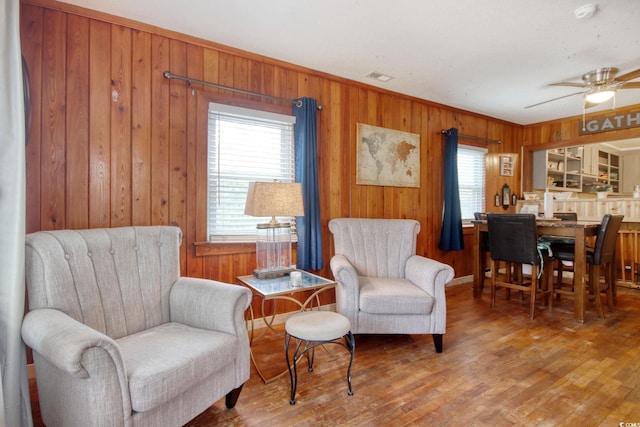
(513, 238)
(601, 256)
(560, 268)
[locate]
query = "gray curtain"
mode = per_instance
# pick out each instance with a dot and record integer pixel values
(16, 407)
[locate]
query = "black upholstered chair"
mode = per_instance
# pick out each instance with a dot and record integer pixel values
(601, 256)
(513, 238)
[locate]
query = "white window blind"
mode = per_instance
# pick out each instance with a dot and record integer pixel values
(244, 145)
(471, 183)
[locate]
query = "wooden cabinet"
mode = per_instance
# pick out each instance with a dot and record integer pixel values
(560, 169)
(609, 169)
(590, 160)
(579, 168)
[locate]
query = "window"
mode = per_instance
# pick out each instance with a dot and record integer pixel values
(471, 172)
(244, 145)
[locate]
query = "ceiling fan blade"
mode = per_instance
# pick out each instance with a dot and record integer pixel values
(571, 84)
(629, 76)
(630, 85)
(554, 99)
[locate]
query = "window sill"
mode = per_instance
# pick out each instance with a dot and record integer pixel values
(221, 248)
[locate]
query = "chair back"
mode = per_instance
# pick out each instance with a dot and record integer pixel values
(513, 238)
(375, 247)
(566, 216)
(605, 248)
(114, 280)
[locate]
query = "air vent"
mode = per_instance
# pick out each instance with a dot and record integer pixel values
(379, 76)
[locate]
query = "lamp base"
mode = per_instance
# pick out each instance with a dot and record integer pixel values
(270, 274)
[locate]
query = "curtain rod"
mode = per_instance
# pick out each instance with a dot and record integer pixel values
(169, 75)
(477, 138)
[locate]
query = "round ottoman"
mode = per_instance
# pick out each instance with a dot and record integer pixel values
(313, 328)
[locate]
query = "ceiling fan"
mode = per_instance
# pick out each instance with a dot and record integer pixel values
(601, 85)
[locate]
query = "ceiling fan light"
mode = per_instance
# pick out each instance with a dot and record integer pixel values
(597, 96)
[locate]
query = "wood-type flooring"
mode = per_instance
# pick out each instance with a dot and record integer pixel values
(498, 368)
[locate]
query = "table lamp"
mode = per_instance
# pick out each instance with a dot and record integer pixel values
(273, 239)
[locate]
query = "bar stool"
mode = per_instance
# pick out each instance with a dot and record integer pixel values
(313, 328)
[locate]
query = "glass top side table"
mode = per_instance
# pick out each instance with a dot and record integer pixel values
(280, 288)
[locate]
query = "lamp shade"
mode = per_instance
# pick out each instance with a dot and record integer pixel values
(274, 199)
(598, 95)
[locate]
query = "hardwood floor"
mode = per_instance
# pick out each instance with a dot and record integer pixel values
(498, 368)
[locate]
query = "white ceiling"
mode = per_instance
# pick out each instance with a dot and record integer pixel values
(492, 57)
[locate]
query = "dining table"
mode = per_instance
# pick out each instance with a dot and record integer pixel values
(581, 231)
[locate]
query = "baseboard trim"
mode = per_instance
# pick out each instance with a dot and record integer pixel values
(463, 280)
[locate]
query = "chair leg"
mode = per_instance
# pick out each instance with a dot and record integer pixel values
(292, 366)
(350, 343)
(534, 274)
(232, 397)
(494, 265)
(437, 341)
(594, 282)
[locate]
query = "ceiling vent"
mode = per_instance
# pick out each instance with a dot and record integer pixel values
(379, 76)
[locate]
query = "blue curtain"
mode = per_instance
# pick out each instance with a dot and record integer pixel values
(451, 236)
(309, 254)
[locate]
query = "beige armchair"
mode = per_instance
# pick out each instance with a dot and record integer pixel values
(383, 286)
(120, 339)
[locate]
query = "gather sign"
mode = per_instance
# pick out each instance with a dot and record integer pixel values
(610, 123)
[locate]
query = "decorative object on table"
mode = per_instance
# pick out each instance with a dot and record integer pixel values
(296, 279)
(387, 157)
(548, 204)
(506, 164)
(602, 190)
(273, 239)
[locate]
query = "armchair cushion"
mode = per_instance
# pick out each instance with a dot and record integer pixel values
(393, 296)
(164, 361)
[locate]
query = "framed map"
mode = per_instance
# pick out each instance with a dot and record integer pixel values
(387, 157)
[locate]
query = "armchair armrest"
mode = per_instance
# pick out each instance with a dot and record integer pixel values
(348, 289)
(208, 304)
(428, 274)
(63, 341)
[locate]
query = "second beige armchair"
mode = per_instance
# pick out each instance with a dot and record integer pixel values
(383, 286)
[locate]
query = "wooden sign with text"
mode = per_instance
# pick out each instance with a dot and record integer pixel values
(610, 123)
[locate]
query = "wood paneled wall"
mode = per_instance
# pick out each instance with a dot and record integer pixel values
(114, 143)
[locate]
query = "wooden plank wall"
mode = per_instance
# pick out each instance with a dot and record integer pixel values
(113, 143)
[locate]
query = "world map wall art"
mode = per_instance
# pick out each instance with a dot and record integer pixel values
(387, 157)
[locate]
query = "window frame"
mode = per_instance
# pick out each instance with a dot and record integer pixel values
(483, 190)
(245, 114)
